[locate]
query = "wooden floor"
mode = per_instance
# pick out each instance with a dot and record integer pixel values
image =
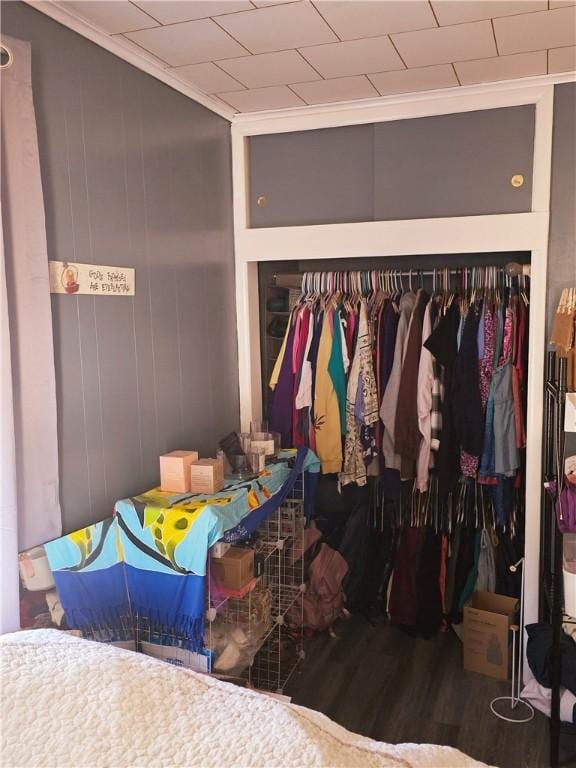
(377, 681)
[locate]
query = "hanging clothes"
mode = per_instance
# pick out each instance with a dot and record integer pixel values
(407, 435)
(281, 413)
(443, 344)
(336, 369)
(361, 404)
(467, 401)
(422, 398)
(389, 403)
(326, 409)
(424, 402)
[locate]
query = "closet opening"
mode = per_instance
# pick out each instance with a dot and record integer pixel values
(425, 498)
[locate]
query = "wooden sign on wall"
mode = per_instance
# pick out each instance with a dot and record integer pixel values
(68, 277)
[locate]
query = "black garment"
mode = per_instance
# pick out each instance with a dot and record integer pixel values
(343, 520)
(443, 344)
(313, 353)
(466, 400)
(508, 552)
(464, 564)
(380, 550)
(538, 650)
(354, 546)
(429, 616)
(331, 511)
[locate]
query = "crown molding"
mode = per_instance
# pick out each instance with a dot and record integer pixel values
(454, 99)
(140, 61)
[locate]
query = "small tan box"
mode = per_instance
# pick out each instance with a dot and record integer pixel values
(234, 569)
(207, 476)
(487, 620)
(175, 470)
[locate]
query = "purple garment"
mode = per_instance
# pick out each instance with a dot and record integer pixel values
(565, 505)
(388, 343)
(283, 402)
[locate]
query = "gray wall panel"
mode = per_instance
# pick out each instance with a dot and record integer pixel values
(134, 174)
(562, 243)
(454, 165)
(312, 177)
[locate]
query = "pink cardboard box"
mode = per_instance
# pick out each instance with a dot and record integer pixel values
(175, 470)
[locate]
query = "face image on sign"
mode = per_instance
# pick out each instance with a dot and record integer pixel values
(69, 279)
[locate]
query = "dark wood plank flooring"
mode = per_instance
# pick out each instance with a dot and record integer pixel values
(377, 681)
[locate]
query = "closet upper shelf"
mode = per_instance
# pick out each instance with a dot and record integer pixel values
(431, 167)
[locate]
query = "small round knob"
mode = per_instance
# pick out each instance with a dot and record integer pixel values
(261, 201)
(517, 180)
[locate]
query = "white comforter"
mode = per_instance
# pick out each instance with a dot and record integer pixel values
(70, 702)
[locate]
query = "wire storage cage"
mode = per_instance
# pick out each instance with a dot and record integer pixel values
(257, 638)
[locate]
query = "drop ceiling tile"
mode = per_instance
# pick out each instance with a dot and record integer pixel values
(353, 19)
(120, 16)
(417, 79)
(341, 89)
(353, 57)
(135, 48)
(502, 68)
(278, 27)
(263, 69)
(207, 77)
(263, 3)
(258, 99)
(561, 3)
(446, 44)
(562, 59)
(534, 31)
(457, 12)
(191, 42)
(173, 11)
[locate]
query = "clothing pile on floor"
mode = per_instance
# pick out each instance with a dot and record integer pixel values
(538, 652)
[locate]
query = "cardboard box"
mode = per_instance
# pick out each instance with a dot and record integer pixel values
(234, 569)
(175, 470)
(487, 637)
(207, 476)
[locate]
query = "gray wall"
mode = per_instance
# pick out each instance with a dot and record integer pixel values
(134, 174)
(562, 243)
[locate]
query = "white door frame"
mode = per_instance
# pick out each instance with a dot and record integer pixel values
(472, 234)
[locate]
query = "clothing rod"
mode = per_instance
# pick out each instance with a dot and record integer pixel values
(406, 272)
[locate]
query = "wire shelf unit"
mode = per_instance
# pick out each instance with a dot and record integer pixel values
(266, 624)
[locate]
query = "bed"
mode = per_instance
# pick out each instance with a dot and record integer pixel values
(66, 701)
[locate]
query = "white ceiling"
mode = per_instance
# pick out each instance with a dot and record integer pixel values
(257, 55)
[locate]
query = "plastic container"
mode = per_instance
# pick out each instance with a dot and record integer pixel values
(269, 442)
(35, 570)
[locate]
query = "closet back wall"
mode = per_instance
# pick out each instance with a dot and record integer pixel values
(134, 174)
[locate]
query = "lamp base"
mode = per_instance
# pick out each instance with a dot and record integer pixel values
(506, 708)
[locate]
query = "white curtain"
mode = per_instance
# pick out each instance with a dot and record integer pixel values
(29, 495)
